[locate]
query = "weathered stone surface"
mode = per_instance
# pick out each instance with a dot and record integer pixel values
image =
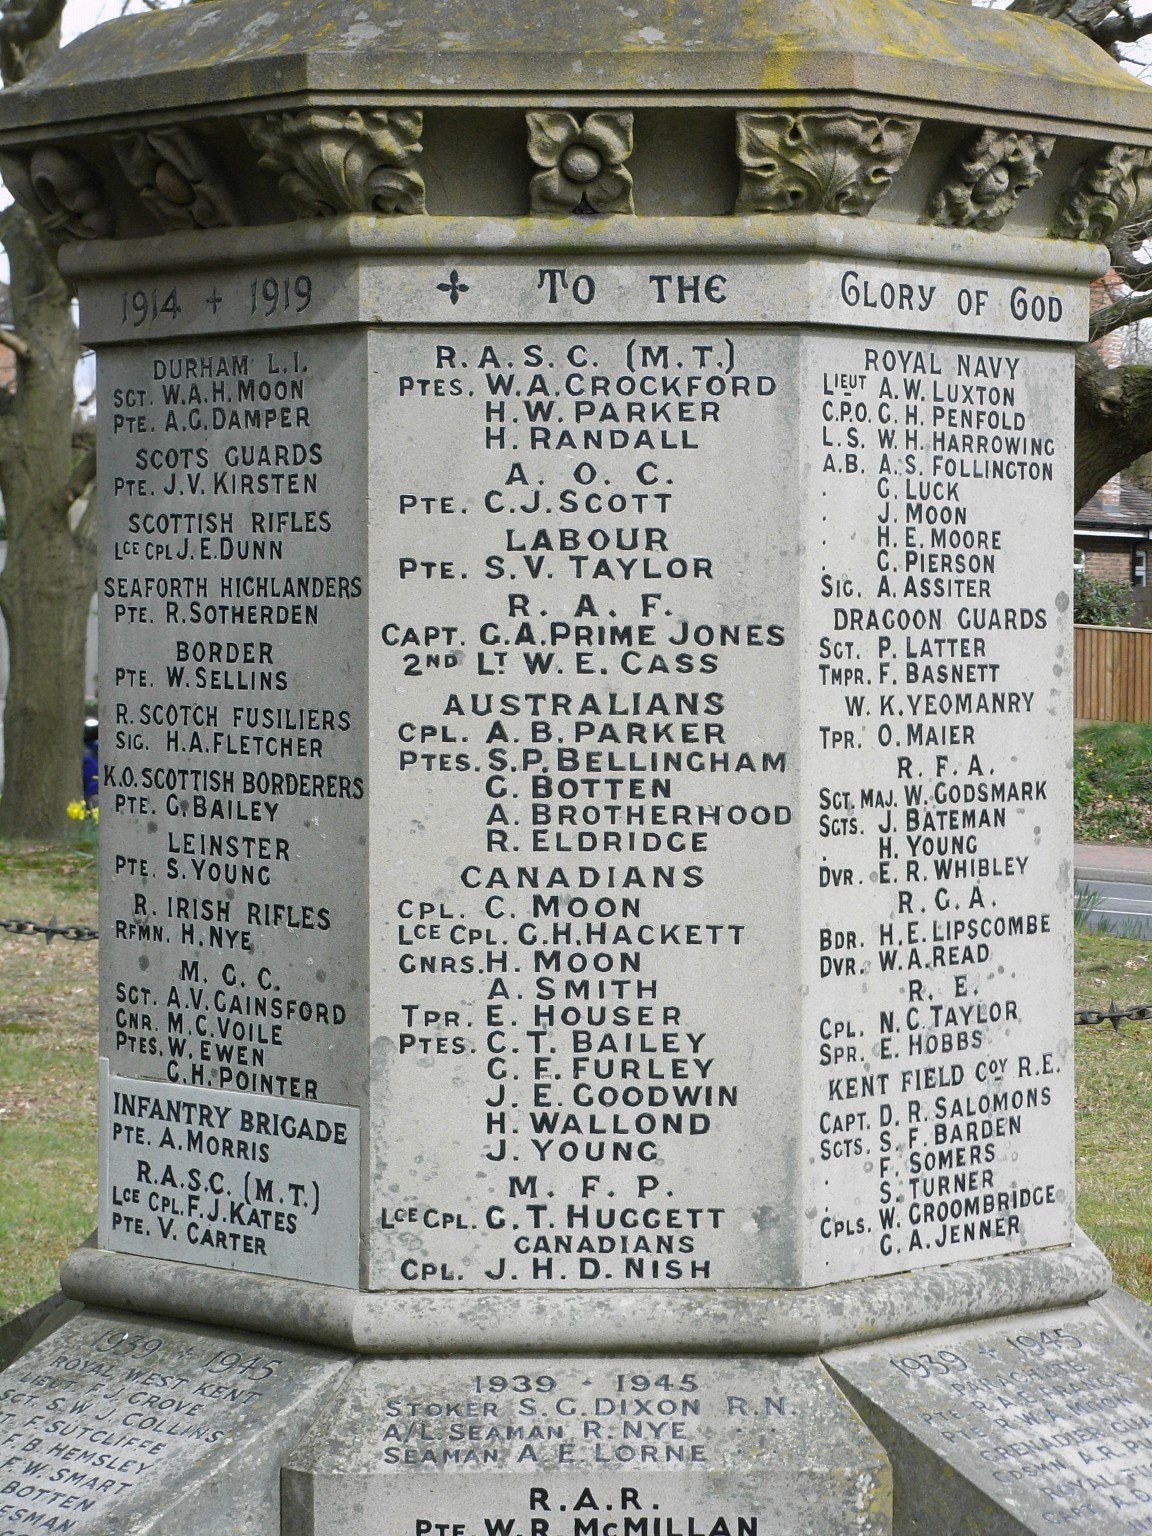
(587, 1447)
(235, 1001)
(1039, 1422)
(18, 1332)
(127, 1424)
(761, 1321)
(585, 795)
(236, 86)
(934, 51)
(1125, 1312)
(988, 177)
(658, 877)
(364, 272)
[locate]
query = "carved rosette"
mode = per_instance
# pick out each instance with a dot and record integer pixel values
(582, 164)
(988, 176)
(177, 179)
(61, 192)
(1112, 189)
(818, 162)
(332, 161)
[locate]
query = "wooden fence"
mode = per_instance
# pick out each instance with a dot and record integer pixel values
(1113, 673)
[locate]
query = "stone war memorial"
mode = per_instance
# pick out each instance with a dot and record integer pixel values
(586, 1030)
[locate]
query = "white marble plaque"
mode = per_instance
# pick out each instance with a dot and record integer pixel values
(237, 1181)
(232, 798)
(584, 595)
(937, 722)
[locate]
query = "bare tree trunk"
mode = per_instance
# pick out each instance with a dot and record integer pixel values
(1113, 419)
(47, 584)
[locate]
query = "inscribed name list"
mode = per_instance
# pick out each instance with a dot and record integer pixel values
(112, 1418)
(581, 1447)
(682, 710)
(233, 797)
(736, 669)
(240, 1181)
(1048, 1416)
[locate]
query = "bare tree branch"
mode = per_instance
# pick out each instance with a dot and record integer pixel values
(1126, 311)
(1107, 22)
(1108, 25)
(81, 477)
(1125, 28)
(85, 530)
(15, 343)
(1113, 419)
(1124, 248)
(29, 21)
(24, 23)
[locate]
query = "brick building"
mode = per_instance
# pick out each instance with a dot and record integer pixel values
(1113, 535)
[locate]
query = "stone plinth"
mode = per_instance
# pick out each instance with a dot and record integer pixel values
(115, 1424)
(689, 853)
(666, 855)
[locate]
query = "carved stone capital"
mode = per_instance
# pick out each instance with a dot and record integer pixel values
(61, 192)
(582, 163)
(332, 161)
(1111, 189)
(177, 179)
(988, 176)
(818, 162)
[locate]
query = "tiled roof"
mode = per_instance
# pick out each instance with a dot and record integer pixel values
(1134, 511)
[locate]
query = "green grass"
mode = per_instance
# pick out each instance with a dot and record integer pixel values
(48, 1085)
(47, 1071)
(1114, 1107)
(1112, 782)
(1112, 778)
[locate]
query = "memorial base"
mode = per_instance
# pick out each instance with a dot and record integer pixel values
(1031, 1424)
(584, 774)
(788, 1322)
(582, 1446)
(122, 1425)
(139, 1425)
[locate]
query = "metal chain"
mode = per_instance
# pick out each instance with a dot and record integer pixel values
(51, 929)
(1115, 1016)
(1140, 1013)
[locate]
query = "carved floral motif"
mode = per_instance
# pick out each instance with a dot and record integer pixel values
(988, 176)
(582, 163)
(60, 191)
(818, 162)
(1111, 189)
(331, 161)
(177, 179)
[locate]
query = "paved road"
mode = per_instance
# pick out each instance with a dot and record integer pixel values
(1124, 907)
(1110, 862)
(1123, 877)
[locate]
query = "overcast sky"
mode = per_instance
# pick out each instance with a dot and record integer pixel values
(79, 15)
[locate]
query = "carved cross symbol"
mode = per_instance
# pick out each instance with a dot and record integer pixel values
(215, 299)
(454, 287)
